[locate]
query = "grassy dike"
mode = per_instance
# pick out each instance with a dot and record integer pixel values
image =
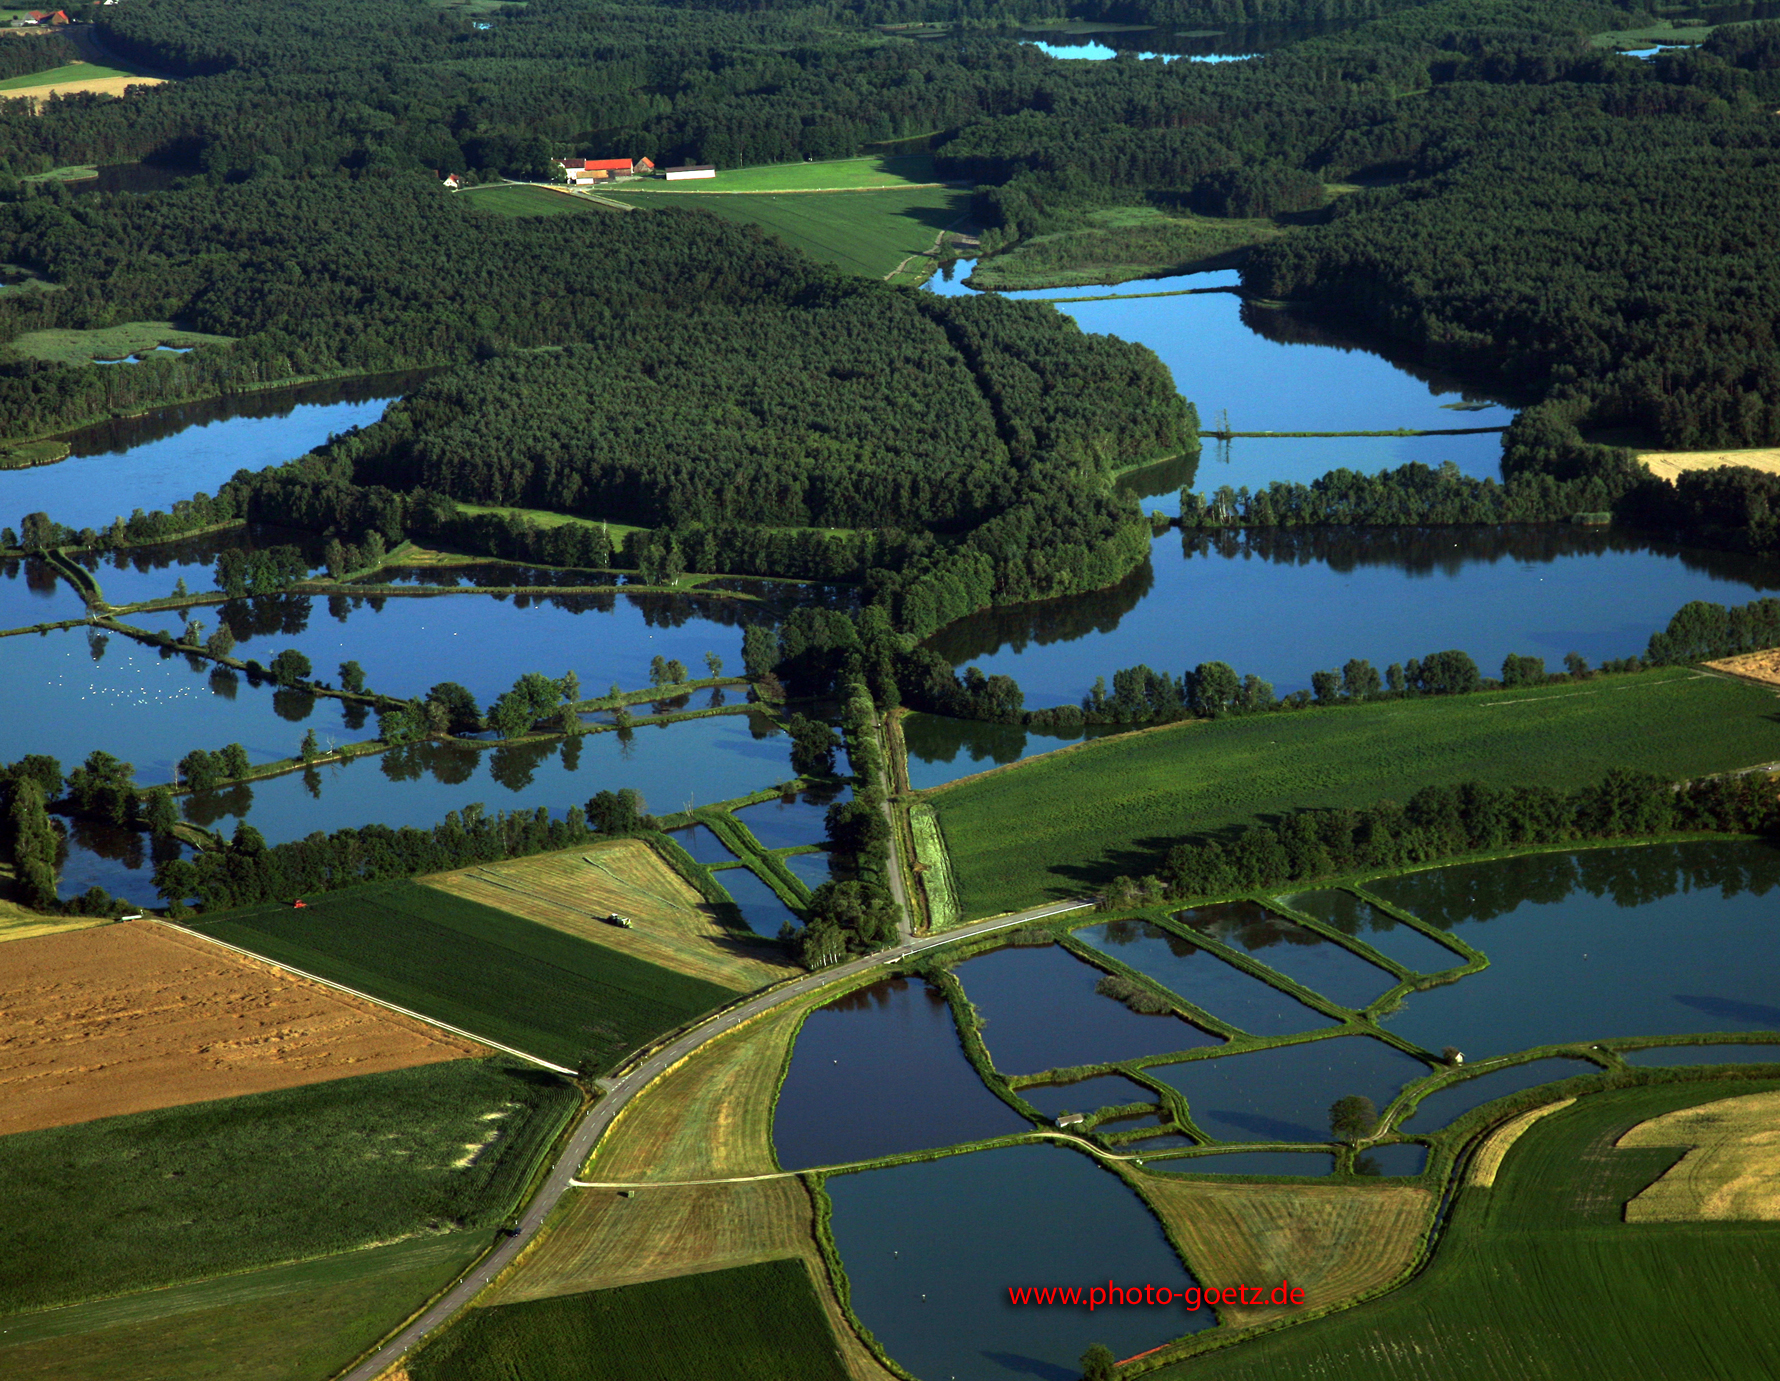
(1074, 819)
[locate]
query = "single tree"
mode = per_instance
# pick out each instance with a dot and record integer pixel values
(311, 750)
(220, 643)
(1352, 1118)
(713, 664)
(352, 678)
(290, 667)
(1098, 1364)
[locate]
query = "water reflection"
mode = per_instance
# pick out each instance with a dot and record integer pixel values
(1284, 1094)
(31, 592)
(1345, 912)
(1331, 594)
(1301, 954)
(943, 750)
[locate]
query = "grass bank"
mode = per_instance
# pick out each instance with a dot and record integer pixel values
(1074, 819)
(1122, 243)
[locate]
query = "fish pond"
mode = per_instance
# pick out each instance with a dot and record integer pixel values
(1391, 937)
(31, 592)
(150, 461)
(1284, 1093)
(711, 759)
(1313, 960)
(702, 843)
(799, 819)
(1086, 1095)
(1444, 1106)
(1203, 979)
(1398, 1158)
(811, 869)
(760, 906)
(1039, 1010)
(880, 1072)
(1663, 940)
(931, 1250)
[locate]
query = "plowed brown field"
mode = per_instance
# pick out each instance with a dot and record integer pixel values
(134, 1016)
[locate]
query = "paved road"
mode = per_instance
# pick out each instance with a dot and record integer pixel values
(599, 1117)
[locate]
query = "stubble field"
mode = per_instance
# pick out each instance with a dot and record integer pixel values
(129, 1017)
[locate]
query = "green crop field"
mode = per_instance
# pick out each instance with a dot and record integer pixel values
(868, 233)
(73, 72)
(760, 1321)
(507, 200)
(181, 1194)
(1539, 1276)
(286, 1323)
(831, 175)
(1075, 819)
(526, 985)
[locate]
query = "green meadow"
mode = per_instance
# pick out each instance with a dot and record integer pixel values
(1075, 819)
(286, 1323)
(750, 1323)
(73, 72)
(1541, 1277)
(511, 199)
(868, 233)
(181, 1194)
(497, 976)
(898, 170)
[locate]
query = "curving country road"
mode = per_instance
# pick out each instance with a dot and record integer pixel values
(581, 1143)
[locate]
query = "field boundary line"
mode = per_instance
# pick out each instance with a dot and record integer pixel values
(367, 997)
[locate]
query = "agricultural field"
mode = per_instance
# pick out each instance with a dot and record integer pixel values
(509, 199)
(1755, 666)
(868, 233)
(1488, 1158)
(573, 892)
(135, 1016)
(934, 866)
(64, 346)
(709, 1119)
(489, 972)
(1668, 464)
(17, 923)
(1336, 1241)
(1541, 1276)
(285, 1323)
(1731, 1173)
(1056, 825)
(183, 1194)
(1119, 244)
(835, 174)
(761, 1321)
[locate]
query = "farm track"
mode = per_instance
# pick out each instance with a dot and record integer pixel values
(580, 1143)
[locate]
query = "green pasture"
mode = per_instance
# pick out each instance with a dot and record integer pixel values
(70, 347)
(511, 980)
(1121, 243)
(899, 170)
(511, 199)
(868, 233)
(180, 1194)
(286, 1323)
(544, 517)
(1075, 819)
(73, 72)
(1541, 1277)
(749, 1323)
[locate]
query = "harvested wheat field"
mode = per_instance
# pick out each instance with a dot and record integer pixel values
(1732, 1174)
(1666, 465)
(574, 891)
(1335, 1241)
(134, 1016)
(98, 86)
(1488, 1161)
(1752, 666)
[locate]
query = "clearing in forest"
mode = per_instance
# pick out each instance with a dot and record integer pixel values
(1336, 1241)
(135, 1016)
(71, 347)
(575, 891)
(1668, 464)
(1731, 1174)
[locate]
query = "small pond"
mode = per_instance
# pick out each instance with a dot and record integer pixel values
(1039, 1011)
(122, 861)
(1666, 1056)
(148, 462)
(1666, 940)
(1320, 964)
(783, 824)
(1086, 1095)
(1440, 1109)
(1345, 912)
(702, 843)
(1204, 979)
(880, 1072)
(1299, 1163)
(1284, 1093)
(707, 759)
(759, 904)
(812, 870)
(931, 1249)
(1398, 1158)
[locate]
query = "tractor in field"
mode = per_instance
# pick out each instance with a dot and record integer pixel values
(622, 922)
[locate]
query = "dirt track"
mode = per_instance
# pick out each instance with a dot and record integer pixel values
(135, 1016)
